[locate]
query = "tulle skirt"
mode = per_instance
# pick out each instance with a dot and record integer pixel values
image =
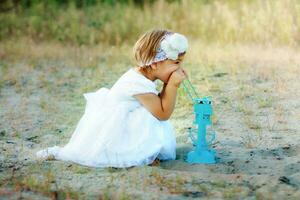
(114, 133)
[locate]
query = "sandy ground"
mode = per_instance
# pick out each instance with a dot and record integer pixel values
(256, 96)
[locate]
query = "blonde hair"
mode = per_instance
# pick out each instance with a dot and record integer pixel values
(145, 48)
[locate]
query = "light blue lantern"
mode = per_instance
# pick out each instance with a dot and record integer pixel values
(203, 111)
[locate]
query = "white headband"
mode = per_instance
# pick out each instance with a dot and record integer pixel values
(170, 47)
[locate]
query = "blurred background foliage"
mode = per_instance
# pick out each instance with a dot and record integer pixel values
(115, 22)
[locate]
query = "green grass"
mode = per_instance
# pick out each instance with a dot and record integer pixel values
(227, 22)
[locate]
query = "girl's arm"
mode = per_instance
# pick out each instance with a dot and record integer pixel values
(163, 90)
(161, 106)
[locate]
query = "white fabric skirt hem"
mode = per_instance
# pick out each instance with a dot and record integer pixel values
(56, 152)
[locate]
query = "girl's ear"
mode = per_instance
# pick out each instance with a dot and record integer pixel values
(154, 66)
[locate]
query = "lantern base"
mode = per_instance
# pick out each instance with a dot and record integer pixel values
(203, 156)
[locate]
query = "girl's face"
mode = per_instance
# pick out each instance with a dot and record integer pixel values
(165, 68)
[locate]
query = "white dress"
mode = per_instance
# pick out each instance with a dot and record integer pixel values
(116, 130)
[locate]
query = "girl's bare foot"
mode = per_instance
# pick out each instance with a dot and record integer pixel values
(156, 162)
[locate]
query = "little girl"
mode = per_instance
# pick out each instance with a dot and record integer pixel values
(128, 124)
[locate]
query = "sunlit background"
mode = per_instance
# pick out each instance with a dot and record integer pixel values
(243, 53)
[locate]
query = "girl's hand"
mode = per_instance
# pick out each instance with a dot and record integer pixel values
(177, 77)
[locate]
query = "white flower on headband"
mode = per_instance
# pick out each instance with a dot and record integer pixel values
(170, 46)
(174, 44)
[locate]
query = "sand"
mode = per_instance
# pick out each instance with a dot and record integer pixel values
(256, 94)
